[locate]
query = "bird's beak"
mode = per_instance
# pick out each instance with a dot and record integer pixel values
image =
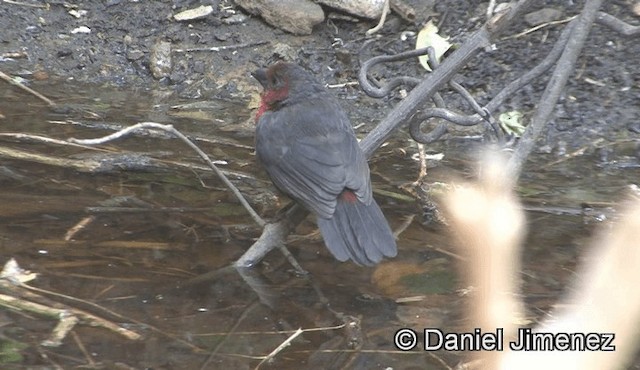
(261, 76)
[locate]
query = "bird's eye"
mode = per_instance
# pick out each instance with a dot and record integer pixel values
(277, 80)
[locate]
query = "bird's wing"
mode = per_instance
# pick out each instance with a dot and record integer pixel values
(312, 166)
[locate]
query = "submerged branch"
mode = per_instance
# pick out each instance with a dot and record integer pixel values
(169, 128)
(22, 86)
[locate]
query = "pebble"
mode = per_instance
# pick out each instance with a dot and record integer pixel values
(542, 16)
(160, 59)
(294, 16)
(371, 9)
(134, 54)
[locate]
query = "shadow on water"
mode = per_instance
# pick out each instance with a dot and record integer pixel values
(150, 241)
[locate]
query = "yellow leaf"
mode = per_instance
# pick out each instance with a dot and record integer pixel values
(428, 36)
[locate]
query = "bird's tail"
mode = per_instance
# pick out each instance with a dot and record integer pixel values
(358, 232)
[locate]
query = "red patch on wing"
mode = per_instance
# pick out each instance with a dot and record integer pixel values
(348, 196)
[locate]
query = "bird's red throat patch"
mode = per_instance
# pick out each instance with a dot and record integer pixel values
(269, 100)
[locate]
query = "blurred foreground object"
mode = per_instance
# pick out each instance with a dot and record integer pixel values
(488, 223)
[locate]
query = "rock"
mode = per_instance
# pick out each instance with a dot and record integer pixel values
(285, 52)
(294, 16)
(160, 59)
(40, 75)
(134, 54)
(371, 9)
(235, 19)
(541, 16)
(635, 9)
(195, 13)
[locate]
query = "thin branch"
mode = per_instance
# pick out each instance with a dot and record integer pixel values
(178, 134)
(564, 68)
(383, 17)
(534, 73)
(274, 236)
(32, 290)
(46, 6)
(19, 84)
(533, 29)
(222, 48)
(233, 328)
(282, 346)
(46, 140)
(617, 25)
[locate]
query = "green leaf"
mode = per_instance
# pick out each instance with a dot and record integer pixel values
(511, 122)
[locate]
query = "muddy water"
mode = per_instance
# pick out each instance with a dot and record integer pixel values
(145, 242)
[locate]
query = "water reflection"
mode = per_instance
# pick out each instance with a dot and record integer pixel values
(153, 247)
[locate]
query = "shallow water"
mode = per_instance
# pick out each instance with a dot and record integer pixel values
(152, 246)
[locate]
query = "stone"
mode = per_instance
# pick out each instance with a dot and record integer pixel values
(542, 16)
(294, 16)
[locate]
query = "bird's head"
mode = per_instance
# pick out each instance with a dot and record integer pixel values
(284, 83)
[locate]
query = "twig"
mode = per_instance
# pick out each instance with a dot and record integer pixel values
(82, 224)
(273, 236)
(274, 332)
(105, 164)
(342, 85)
(14, 82)
(203, 155)
(282, 346)
(617, 25)
(537, 71)
(68, 318)
(235, 326)
(556, 85)
(222, 48)
(404, 225)
(490, 8)
(423, 164)
(66, 322)
(383, 17)
(46, 6)
(81, 165)
(83, 349)
(46, 140)
(103, 322)
(533, 29)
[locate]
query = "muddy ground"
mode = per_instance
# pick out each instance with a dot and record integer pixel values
(37, 44)
(594, 132)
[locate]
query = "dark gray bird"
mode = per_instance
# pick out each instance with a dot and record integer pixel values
(307, 145)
